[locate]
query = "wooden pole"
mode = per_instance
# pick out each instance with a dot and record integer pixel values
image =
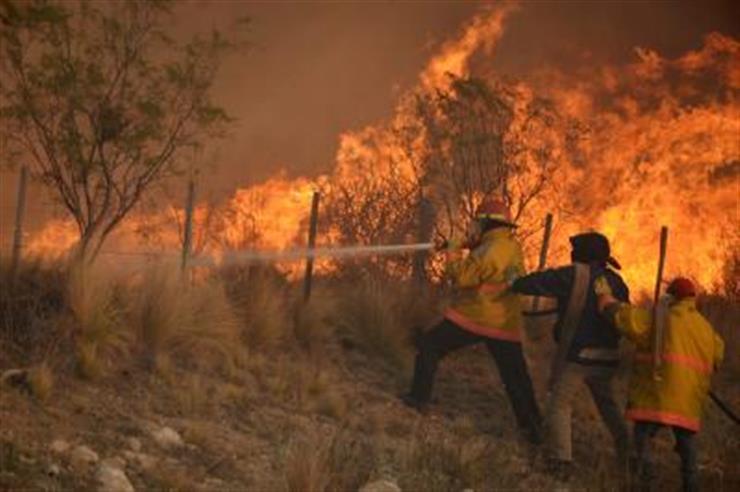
(20, 207)
(188, 235)
(657, 325)
(425, 215)
(543, 255)
(308, 277)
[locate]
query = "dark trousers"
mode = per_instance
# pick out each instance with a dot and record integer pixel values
(447, 337)
(685, 447)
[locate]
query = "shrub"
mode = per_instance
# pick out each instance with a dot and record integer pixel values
(96, 316)
(381, 316)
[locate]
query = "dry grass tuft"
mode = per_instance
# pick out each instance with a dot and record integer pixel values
(331, 403)
(262, 299)
(313, 321)
(307, 467)
(379, 316)
(194, 323)
(41, 381)
(96, 316)
(439, 463)
(327, 463)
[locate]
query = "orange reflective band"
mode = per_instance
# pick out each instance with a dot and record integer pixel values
(678, 359)
(491, 288)
(470, 325)
(661, 417)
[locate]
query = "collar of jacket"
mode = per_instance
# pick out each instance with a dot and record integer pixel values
(494, 234)
(685, 303)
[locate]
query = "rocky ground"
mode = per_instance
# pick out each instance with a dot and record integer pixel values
(302, 405)
(261, 429)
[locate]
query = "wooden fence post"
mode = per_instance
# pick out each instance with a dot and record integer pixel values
(188, 233)
(307, 279)
(20, 207)
(425, 217)
(543, 254)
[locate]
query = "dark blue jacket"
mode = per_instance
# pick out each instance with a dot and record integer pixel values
(594, 330)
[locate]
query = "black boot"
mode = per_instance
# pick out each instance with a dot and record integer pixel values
(412, 402)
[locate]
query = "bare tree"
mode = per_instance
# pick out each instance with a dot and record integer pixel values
(374, 202)
(102, 101)
(484, 138)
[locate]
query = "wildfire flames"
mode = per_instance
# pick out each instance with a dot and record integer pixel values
(661, 146)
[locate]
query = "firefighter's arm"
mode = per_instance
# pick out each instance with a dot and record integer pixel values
(547, 283)
(632, 322)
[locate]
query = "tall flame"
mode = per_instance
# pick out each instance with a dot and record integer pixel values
(661, 148)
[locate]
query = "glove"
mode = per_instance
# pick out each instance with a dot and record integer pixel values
(604, 295)
(601, 287)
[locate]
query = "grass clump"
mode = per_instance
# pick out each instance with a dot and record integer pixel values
(333, 462)
(379, 317)
(96, 315)
(260, 295)
(313, 320)
(41, 381)
(194, 323)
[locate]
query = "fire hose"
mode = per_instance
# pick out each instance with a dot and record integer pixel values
(724, 407)
(312, 253)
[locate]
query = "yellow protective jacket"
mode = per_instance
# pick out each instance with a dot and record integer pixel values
(483, 305)
(692, 351)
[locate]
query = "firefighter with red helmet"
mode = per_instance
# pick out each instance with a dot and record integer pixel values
(671, 394)
(483, 311)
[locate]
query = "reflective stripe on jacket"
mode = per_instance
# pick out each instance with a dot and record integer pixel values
(482, 304)
(692, 351)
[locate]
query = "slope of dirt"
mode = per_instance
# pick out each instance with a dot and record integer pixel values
(297, 422)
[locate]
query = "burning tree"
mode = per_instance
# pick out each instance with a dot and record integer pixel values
(444, 152)
(487, 138)
(101, 102)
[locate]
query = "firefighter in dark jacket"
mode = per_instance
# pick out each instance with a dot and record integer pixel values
(483, 311)
(587, 342)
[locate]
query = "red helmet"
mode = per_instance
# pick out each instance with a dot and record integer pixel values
(494, 209)
(681, 287)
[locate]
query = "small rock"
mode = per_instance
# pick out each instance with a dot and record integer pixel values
(167, 438)
(27, 460)
(134, 444)
(53, 470)
(83, 456)
(112, 479)
(380, 486)
(142, 460)
(59, 446)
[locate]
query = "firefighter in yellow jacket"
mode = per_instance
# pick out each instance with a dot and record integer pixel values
(483, 311)
(673, 393)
